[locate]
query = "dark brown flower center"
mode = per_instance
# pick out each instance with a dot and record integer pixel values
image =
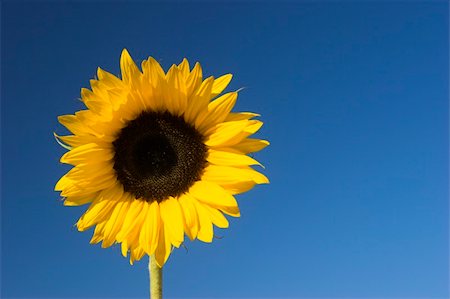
(158, 155)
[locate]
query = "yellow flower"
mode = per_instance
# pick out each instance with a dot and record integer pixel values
(157, 155)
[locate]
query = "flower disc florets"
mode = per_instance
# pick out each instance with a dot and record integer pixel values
(158, 155)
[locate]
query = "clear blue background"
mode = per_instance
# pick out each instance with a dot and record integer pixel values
(354, 96)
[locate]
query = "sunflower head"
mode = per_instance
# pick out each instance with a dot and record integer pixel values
(156, 156)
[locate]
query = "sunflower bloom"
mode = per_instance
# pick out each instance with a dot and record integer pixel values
(156, 156)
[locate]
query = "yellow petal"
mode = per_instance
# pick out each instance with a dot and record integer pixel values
(129, 70)
(81, 178)
(225, 175)
(231, 133)
(97, 237)
(97, 104)
(217, 217)
(74, 140)
(109, 79)
(220, 84)
(238, 187)
(101, 208)
(212, 194)
(136, 254)
(91, 169)
(118, 97)
(205, 232)
(133, 219)
(132, 239)
(163, 249)
(75, 125)
(148, 238)
(250, 145)
(98, 211)
(194, 79)
(80, 200)
(172, 217)
(191, 223)
(226, 157)
(87, 153)
(72, 188)
(240, 116)
(124, 248)
(198, 101)
(76, 191)
(155, 84)
(114, 223)
(176, 95)
(94, 176)
(232, 211)
(184, 68)
(64, 183)
(217, 111)
(156, 72)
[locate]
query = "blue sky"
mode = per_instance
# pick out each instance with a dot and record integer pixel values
(354, 96)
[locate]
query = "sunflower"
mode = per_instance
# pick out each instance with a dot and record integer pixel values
(157, 155)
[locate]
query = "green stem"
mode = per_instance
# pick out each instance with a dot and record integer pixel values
(155, 279)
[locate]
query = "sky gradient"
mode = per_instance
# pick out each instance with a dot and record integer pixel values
(354, 97)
